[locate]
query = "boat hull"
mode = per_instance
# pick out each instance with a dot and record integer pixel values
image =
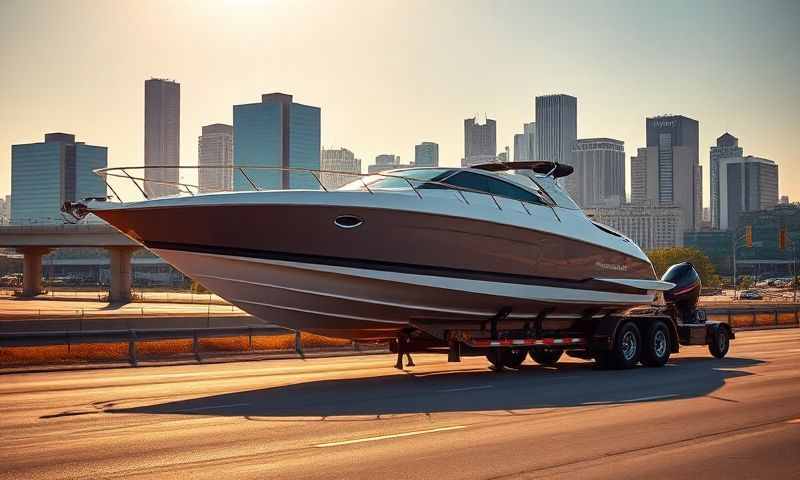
(360, 303)
(288, 263)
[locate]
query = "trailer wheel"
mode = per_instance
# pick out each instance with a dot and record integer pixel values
(656, 348)
(515, 357)
(626, 350)
(720, 342)
(498, 357)
(546, 356)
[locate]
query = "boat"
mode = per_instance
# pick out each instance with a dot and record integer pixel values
(433, 250)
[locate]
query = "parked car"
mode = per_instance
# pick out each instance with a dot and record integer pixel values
(710, 291)
(751, 295)
(9, 281)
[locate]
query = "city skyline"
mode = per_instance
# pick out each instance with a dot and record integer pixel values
(755, 99)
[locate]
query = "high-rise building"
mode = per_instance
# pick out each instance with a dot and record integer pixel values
(426, 154)
(557, 132)
(5, 210)
(525, 148)
(480, 142)
(668, 172)
(44, 175)
(215, 149)
(727, 147)
(386, 161)
(643, 178)
(279, 133)
(599, 172)
(162, 131)
(648, 226)
(747, 184)
(784, 199)
(338, 160)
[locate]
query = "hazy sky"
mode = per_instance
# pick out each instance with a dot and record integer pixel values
(391, 74)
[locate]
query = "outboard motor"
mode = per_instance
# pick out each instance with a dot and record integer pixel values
(685, 293)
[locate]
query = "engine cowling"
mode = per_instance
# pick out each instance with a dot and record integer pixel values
(686, 292)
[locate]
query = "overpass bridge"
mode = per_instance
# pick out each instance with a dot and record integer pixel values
(37, 240)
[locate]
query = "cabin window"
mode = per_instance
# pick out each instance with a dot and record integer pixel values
(487, 184)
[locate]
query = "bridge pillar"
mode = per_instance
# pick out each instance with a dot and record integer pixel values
(121, 274)
(32, 269)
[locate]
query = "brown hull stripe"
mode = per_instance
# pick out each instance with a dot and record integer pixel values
(588, 284)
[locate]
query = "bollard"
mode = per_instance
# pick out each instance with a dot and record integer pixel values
(196, 346)
(132, 353)
(298, 343)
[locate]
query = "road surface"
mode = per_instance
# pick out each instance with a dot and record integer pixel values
(357, 417)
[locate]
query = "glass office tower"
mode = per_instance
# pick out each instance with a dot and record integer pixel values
(276, 133)
(45, 175)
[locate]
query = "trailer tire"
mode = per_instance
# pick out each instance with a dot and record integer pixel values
(656, 346)
(506, 357)
(545, 356)
(515, 357)
(720, 342)
(626, 351)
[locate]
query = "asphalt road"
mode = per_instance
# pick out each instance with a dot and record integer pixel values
(357, 417)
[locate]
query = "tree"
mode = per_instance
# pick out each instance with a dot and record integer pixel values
(746, 282)
(663, 258)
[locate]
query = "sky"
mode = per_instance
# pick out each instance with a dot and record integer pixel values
(390, 74)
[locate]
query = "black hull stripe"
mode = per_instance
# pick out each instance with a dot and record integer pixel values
(588, 284)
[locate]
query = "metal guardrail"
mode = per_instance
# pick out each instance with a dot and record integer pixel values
(132, 337)
(747, 316)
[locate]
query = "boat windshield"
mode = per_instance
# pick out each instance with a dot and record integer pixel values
(417, 176)
(551, 188)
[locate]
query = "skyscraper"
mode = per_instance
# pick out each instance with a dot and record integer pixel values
(644, 178)
(426, 154)
(386, 161)
(648, 226)
(338, 160)
(727, 147)
(599, 172)
(162, 131)
(480, 142)
(45, 175)
(557, 131)
(276, 132)
(5, 209)
(215, 148)
(747, 184)
(525, 148)
(668, 172)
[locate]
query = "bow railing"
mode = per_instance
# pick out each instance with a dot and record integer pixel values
(416, 185)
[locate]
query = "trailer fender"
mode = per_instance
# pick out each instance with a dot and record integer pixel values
(605, 329)
(644, 323)
(713, 327)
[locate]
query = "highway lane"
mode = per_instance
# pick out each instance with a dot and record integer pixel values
(357, 417)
